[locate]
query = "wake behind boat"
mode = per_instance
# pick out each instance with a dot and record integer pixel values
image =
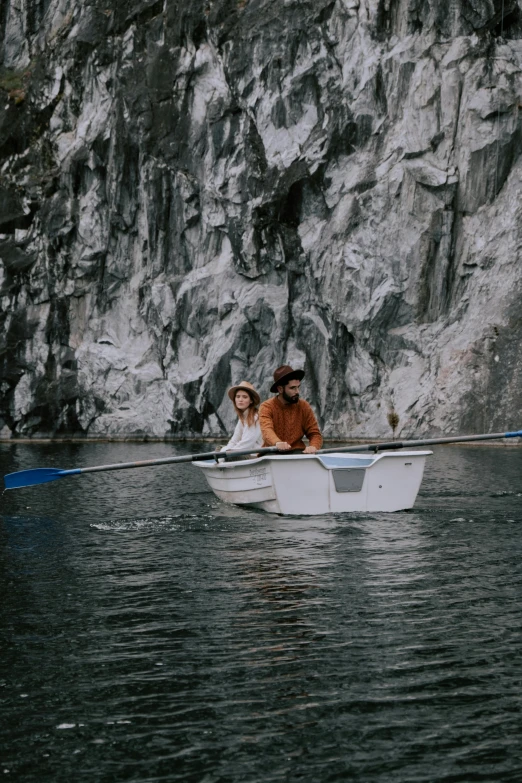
(311, 484)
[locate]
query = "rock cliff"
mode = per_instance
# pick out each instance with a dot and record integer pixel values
(193, 192)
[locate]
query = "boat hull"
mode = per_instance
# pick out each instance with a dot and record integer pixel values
(312, 484)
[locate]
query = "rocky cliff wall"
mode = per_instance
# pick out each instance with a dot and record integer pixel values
(193, 192)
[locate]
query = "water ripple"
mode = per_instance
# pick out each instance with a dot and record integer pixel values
(151, 635)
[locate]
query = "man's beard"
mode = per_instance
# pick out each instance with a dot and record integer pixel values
(290, 399)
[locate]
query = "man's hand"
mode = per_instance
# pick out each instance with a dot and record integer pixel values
(310, 450)
(282, 445)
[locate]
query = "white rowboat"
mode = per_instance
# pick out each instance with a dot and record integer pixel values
(311, 484)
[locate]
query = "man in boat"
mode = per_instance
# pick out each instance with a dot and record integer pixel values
(285, 419)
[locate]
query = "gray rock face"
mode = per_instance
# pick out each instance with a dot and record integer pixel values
(193, 192)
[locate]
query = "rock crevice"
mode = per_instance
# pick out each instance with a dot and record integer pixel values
(194, 193)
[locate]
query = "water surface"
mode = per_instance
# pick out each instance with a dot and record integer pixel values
(149, 632)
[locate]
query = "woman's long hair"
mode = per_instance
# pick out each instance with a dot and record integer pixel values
(250, 414)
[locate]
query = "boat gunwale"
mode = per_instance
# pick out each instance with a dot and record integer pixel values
(213, 463)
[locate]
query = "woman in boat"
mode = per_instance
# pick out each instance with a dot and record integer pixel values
(247, 434)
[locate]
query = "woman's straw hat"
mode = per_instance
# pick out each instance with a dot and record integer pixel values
(244, 386)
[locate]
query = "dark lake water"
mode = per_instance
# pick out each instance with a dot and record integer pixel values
(149, 632)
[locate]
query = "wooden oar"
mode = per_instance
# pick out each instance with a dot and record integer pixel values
(28, 478)
(405, 444)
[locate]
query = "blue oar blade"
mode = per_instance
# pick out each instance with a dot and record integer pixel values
(27, 478)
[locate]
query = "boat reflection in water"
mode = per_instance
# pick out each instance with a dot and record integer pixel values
(310, 484)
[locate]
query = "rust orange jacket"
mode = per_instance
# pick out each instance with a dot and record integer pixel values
(289, 422)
